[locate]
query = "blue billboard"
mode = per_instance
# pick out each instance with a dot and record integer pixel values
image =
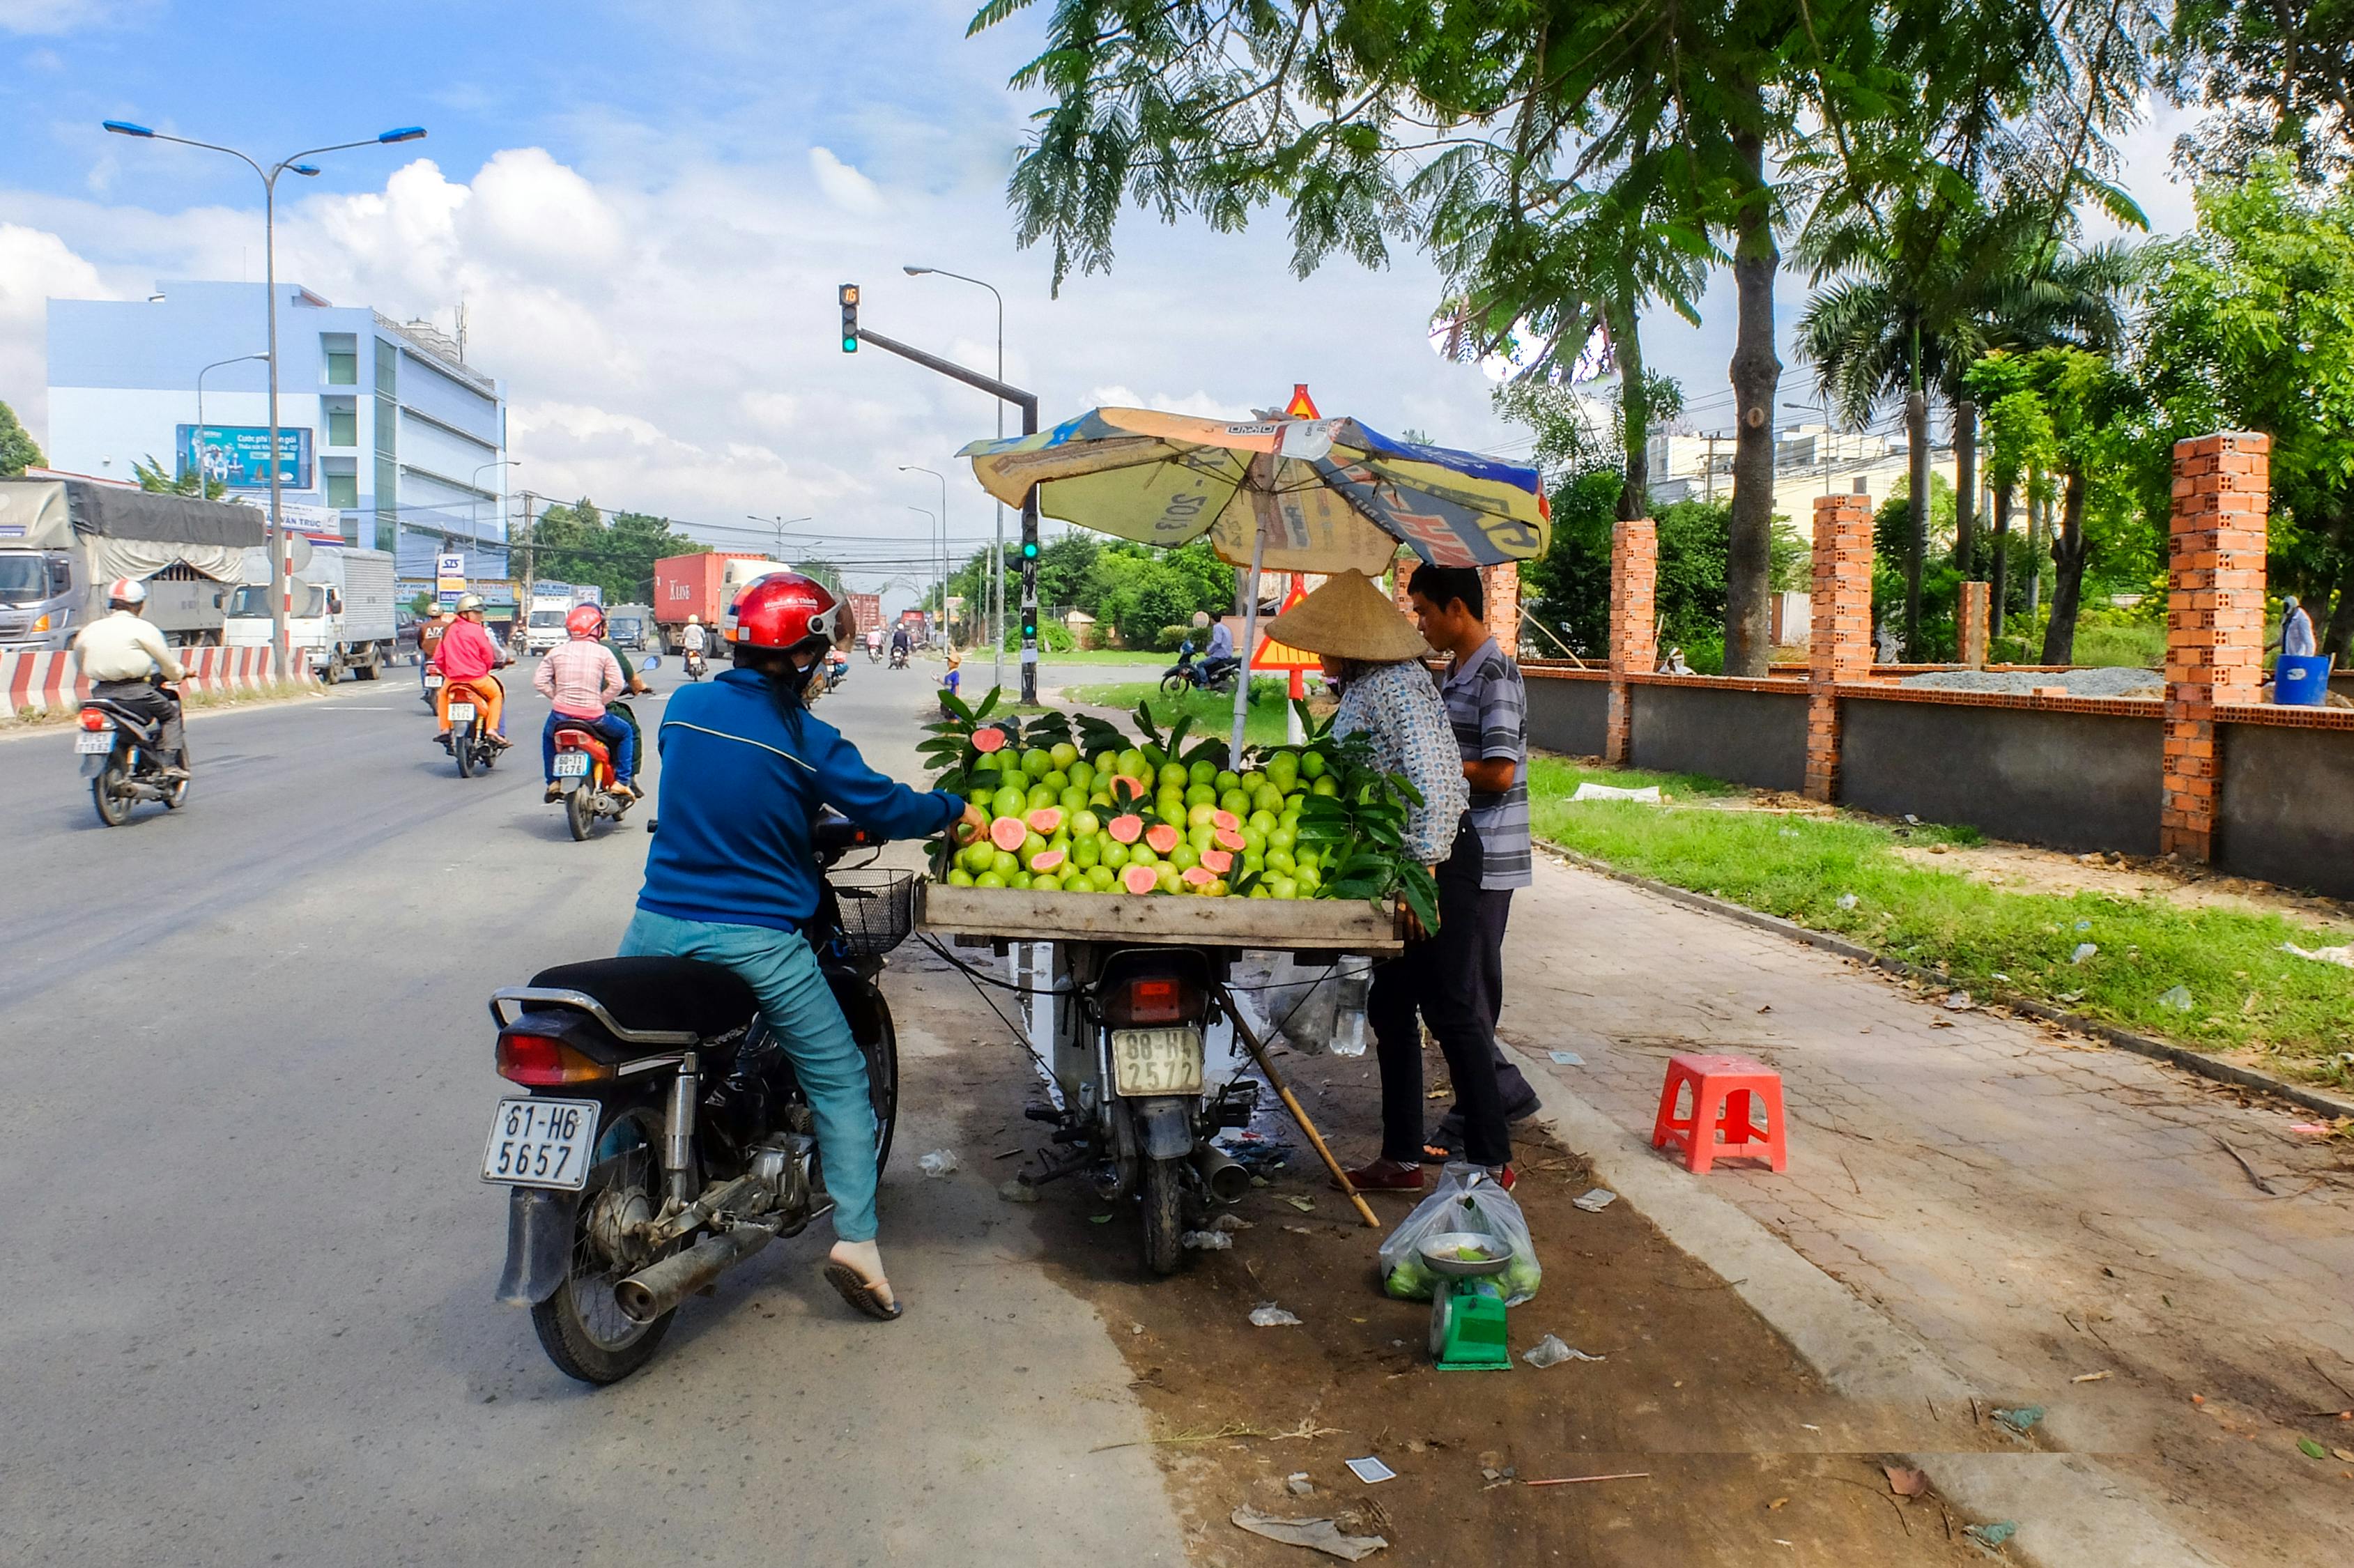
(238, 455)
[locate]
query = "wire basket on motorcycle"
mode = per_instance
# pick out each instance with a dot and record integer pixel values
(879, 909)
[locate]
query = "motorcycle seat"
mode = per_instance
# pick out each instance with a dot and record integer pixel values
(648, 993)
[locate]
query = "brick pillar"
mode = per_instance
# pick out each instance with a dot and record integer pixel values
(2214, 621)
(1503, 617)
(1838, 644)
(1972, 632)
(1634, 627)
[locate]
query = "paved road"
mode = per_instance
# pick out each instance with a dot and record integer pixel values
(248, 1071)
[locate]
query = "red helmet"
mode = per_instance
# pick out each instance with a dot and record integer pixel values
(586, 623)
(784, 610)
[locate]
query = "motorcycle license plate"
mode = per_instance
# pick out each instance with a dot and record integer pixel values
(541, 1143)
(1157, 1061)
(433, 683)
(90, 741)
(571, 764)
(461, 713)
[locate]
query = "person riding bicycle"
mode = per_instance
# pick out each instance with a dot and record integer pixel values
(733, 876)
(467, 654)
(126, 661)
(579, 678)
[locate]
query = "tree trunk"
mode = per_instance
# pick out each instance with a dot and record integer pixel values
(2034, 542)
(2068, 553)
(1756, 373)
(1634, 411)
(1966, 488)
(2001, 560)
(1916, 545)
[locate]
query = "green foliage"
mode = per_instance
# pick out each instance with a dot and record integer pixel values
(18, 450)
(152, 479)
(1567, 588)
(2275, 78)
(579, 543)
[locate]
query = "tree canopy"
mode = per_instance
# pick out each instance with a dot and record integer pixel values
(18, 450)
(579, 543)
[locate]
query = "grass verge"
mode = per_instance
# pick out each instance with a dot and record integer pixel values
(2212, 978)
(1213, 711)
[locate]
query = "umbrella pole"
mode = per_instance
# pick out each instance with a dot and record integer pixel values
(1250, 647)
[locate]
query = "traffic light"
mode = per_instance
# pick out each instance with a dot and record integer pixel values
(848, 294)
(1028, 549)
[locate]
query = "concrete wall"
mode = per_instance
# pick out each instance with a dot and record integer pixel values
(2286, 811)
(2073, 781)
(1567, 715)
(1758, 738)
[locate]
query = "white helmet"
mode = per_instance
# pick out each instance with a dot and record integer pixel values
(126, 590)
(694, 621)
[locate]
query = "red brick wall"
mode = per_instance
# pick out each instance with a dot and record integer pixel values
(1838, 644)
(2214, 620)
(1634, 625)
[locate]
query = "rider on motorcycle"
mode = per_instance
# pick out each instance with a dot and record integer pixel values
(578, 679)
(467, 653)
(900, 642)
(123, 657)
(691, 639)
(732, 877)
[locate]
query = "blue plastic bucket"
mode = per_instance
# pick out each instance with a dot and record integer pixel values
(2301, 681)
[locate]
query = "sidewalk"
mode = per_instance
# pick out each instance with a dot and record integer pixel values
(2031, 1207)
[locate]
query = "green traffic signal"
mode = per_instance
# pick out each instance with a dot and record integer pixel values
(848, 294)
(849, 346)
(1029, 550)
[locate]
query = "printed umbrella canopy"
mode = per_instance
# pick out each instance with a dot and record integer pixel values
(1295, 495)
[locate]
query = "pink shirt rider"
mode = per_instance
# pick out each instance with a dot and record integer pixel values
(580, 678)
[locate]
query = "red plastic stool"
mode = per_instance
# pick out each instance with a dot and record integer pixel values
(1723, 1089)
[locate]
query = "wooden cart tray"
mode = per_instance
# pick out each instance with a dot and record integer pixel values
(1319, 925)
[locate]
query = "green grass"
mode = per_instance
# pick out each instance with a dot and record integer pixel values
(1214, 712)
(1094, 656)
(2246, 994)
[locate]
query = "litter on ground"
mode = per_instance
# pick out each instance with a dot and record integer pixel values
(1551, 1351)
(1369, 1469)
(1649, 794)
(1595, 1202)
(1267, 1315)
(1316, 1534)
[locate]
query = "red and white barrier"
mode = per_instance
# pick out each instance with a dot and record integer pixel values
(50, 681)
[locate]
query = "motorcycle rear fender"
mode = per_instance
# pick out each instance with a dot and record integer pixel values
(1164, 1124)
(539, 1243)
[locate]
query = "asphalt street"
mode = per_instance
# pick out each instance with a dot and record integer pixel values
(253, 1263)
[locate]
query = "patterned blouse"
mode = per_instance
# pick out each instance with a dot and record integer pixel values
(1398, 705)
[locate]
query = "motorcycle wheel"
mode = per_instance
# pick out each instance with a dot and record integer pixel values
(883, 1081)
(461, 743)
(177, 794)
(486, 755)
(581, 812)
(1173, 685)
(1164, 1215)
(109, 794)
(581, 1327)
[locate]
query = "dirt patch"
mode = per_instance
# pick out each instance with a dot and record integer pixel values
(1749, 1459)
(2022, 868)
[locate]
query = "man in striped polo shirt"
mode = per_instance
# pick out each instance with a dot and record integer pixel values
(1488, 704)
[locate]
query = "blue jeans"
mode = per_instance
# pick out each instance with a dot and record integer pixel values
(800, 1006)
(617, 735)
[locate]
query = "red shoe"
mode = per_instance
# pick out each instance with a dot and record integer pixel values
(1503, 1176)
(1387, 1176)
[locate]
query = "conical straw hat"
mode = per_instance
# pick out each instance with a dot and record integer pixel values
(1348, 618)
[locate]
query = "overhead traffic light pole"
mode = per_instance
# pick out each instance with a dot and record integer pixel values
(853, 334)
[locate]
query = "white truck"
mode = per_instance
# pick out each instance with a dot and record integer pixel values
(343, 614)
(63, 540)
(551, 603)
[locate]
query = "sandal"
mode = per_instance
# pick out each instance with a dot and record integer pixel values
(861, 1293)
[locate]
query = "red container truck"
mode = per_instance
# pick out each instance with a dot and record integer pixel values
(702, 585)
(865, 611)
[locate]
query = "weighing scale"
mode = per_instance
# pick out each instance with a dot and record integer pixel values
(1467, 1302)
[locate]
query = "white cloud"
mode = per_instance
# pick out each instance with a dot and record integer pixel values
(1198, 404)
(844, 186)
(51, 18)
(34, 266)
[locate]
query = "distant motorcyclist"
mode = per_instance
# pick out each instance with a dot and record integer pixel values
(691, 639)
(901, 644)
(429, 638)
(873, 644)
(1220, 657)
(468, 654)
(126, 660)
(579, 678)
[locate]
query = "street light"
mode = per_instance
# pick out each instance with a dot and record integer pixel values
(997, 549)
(911, 468)
(474, 506)
(281, 648)
(926, 512)
(778, 523)
(202, 448)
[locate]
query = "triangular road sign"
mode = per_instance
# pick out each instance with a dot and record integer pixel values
(1272, 655)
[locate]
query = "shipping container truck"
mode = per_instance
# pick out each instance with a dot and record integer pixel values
(703, 585)
(341, 618)
(63, 540)
(865, 611)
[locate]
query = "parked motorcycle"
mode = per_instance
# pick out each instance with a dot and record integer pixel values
(661, 1139)
(1215, 675)
(470, 738)
(1137, 1115)
(123, 756)
(584, 760)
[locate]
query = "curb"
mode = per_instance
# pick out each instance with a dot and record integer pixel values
(2190, 1061)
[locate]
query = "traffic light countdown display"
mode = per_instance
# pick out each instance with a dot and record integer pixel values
(848, 295)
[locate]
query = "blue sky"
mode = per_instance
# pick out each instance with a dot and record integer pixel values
(645, 207)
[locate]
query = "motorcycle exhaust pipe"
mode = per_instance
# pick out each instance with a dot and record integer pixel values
(648, 1294)
(1226, 1178)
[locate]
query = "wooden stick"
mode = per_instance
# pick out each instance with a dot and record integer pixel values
(1577, 1480)
(1291, 1104)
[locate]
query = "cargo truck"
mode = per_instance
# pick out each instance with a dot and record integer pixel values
(703, 585)
(629, 626)
(865, 612)
(551, 603)
(341, 617)
(63, 540)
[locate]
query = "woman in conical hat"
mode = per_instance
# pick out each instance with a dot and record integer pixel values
(1374, 654)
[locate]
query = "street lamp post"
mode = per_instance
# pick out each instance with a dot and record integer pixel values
(202, 449)
(280, 567)
(997, 547)
(926, 512)
(779, 524)
(912, 468)
(474, 510)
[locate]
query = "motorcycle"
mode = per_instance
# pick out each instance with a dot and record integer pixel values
(661, 1139)
(470, 739)
(434, 680)
(837, 670)
(123, 756)
(695, 664)
(1129, 1059)
(1212, 675)
(583, 758)
(875, 654)
(899, 658)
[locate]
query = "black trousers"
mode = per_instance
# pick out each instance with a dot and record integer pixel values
(152, 703)
(1441, 982)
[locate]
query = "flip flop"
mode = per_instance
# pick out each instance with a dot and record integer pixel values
(859, 1291)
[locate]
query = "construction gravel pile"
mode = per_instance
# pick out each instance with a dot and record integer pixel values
(2103, 682)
